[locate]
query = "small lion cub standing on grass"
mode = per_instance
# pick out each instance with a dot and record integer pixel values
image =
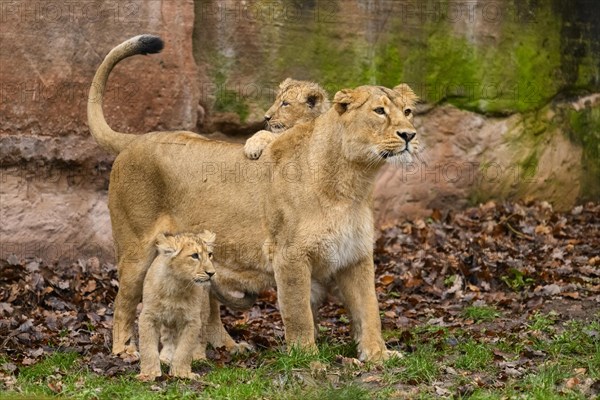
(176, 304)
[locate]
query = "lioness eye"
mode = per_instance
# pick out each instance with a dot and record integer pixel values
(407, 112)
(195, 256)
(210, 255)
(379, 110)
(285, 104)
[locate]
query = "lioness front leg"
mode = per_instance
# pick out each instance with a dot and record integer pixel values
(357, 286)
(132, 268)
(293, 292)
(257, 143)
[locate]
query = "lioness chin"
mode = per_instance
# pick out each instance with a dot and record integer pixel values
(300, 214)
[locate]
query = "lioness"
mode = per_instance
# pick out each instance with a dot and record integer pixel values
(176, 304)
(300, 214)
(297, 102)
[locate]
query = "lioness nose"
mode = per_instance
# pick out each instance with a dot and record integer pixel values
(210, 273)
(407, 136)
(267, 118)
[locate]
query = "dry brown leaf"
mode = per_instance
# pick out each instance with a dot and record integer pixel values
(387, 279)
(572, 382)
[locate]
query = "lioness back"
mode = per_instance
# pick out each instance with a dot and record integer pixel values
(196, 183)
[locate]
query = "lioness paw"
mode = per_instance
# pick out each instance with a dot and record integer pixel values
(241, 348)
(378, 355)
(184, 373)
(388, 354)
(148, 377)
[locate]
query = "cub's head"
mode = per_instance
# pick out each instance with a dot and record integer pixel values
(189, 255)
(297, 102)
(378, 124)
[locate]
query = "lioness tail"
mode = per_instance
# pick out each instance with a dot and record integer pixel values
(109, 139)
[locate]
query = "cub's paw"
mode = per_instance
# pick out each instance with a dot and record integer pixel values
(252, 150)
(130, 357)
(165, 359)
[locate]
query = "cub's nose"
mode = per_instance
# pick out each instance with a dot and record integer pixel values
(406, 136)
(267, 118)
(210, 274)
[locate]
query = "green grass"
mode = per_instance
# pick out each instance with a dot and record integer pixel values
(420, 367)
(452, 356)
(480, 313)
(474, 356)
(542, 322)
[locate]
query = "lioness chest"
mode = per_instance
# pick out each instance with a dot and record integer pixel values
(345, 239)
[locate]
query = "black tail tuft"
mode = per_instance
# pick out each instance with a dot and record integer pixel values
(150, 44)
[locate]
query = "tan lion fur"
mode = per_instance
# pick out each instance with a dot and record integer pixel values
(176, 304)
(300, 214)
(297, 102)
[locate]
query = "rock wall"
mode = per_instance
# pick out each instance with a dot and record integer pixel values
(511, 97)
(53, 175)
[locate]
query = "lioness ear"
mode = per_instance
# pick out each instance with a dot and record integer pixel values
(406, 93)
(342, 100)
(347, 99)
(166, 245)
(208, 238)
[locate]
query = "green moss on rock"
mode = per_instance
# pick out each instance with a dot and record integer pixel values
(584, 128)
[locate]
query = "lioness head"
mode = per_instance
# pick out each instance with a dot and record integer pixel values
(189, 256)
(297, 102)
(378, 123)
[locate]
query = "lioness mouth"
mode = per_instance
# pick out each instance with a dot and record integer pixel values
(388, 154)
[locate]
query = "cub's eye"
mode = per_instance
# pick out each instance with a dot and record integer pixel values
(380, 110)
(210, 256)
(407, 112)
(196, 256)
(285, 104)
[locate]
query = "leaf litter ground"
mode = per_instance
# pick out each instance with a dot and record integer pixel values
(497, 273)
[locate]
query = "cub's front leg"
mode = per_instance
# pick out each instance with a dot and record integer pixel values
(181, 365)
(149, 329)
(257, 143)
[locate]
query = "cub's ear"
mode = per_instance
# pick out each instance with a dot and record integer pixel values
(406, 93)
(315, 98)
(208, 238)
(285, 83)
(348, 99)
(166, 244)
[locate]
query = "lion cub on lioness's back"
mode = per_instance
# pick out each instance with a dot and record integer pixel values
(176, 304)
(297, 102)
